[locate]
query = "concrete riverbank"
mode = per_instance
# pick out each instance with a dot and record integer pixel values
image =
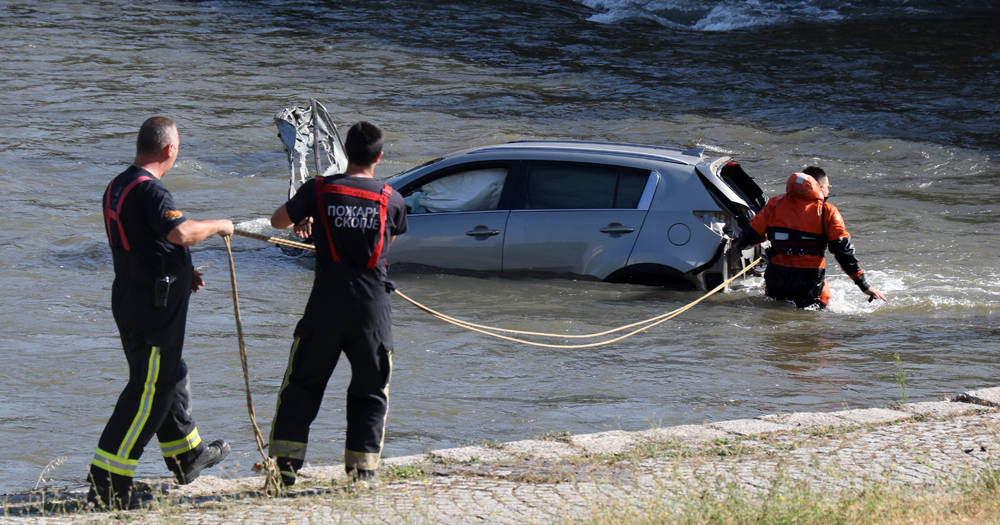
(559, 478)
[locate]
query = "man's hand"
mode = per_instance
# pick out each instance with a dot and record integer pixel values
(191, 232)
(875, 294)
(226, 228)
(304, 228)
(197, 283)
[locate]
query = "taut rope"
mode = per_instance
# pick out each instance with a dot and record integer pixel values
(272, 477)
(498, 332)
(276, 240)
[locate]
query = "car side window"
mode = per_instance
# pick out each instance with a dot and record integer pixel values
(467, 190)
(567, 185)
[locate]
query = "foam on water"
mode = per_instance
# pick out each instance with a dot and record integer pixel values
(712, 16)
(261, 225)
(907, 292)
(728, 15)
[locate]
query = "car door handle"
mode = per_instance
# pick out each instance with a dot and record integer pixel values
(615, 227)
(481, 231)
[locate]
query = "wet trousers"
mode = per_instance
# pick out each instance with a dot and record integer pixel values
(804, 286)
(312, 359)
(156, 401)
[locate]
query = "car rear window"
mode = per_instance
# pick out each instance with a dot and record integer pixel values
(561, 185)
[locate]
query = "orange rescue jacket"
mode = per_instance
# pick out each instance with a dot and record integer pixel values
(800, 225)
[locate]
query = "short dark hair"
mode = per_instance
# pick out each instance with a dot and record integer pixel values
(816, 173)
(154, 135)
(363, 144)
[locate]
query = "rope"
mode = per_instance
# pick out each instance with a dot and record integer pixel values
(498, 332)
(276, 240)
(272, 477)
(653, 321)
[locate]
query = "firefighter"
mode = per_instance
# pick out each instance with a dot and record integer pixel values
(154, 279)
(357, 218)
(801, 225)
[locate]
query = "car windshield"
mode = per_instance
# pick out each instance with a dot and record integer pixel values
(391, 178)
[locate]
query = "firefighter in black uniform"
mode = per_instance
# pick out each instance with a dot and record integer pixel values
(154, 279)
(356, 218)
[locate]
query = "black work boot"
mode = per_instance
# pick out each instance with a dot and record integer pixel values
(110, 491)
(288, 468)
(188, 470)
(361, 477)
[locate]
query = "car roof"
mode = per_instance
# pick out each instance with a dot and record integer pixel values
(659, 153)
(569, 150)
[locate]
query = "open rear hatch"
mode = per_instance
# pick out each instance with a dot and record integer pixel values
(739, 195)
(733, 188)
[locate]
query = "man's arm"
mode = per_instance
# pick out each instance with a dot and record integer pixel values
(748, 237)
(281, 220)
(298, 206)
(192, 232)
(843, 250)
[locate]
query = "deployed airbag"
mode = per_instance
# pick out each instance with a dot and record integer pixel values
(469, 190)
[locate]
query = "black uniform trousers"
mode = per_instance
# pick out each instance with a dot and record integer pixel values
(314, 354)
(156, 401)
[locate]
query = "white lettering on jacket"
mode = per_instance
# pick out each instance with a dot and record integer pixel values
(356, 217)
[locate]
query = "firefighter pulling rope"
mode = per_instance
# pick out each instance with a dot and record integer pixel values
(496, 332)
(272, 478)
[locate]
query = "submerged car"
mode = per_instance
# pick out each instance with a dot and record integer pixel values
(613, 212)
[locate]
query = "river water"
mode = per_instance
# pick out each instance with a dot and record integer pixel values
(897, 102)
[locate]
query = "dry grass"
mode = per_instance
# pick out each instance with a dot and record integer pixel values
(972, 501)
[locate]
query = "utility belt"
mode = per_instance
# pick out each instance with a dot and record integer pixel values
(785, 241)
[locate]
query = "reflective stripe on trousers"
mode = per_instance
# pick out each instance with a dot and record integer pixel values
(180, 446)
(115, 464)
(119, 463)
(145, 403)
(312, 359)
(370, 460)
(156, 401)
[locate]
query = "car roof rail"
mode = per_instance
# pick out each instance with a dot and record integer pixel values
(694, 152)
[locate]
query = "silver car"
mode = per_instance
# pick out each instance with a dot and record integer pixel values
(614, 212)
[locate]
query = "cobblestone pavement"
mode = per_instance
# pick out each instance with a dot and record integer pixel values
(562, 478)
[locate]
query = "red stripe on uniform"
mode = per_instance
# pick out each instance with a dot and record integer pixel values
(320, 182)
(115, 215)
(352, 192)
(381, 198)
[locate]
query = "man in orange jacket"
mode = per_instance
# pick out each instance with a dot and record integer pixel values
(801, 225)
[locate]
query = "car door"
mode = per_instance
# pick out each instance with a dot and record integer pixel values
(576, 218)
(455, 220)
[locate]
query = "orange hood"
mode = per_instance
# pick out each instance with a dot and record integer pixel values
(802, 186)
